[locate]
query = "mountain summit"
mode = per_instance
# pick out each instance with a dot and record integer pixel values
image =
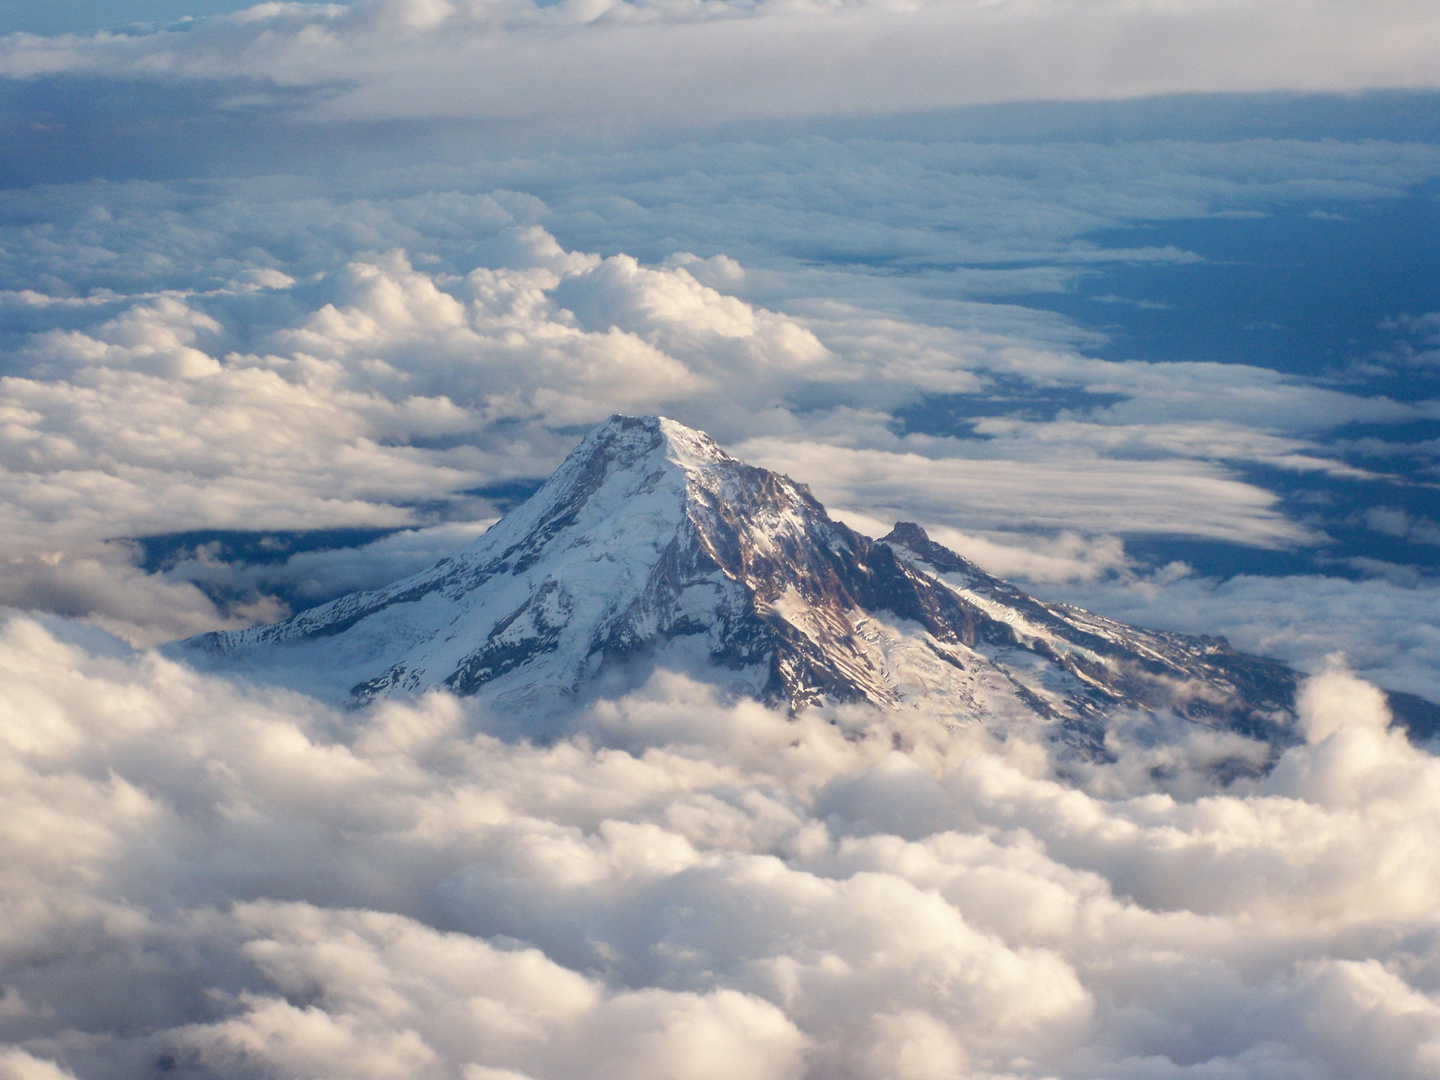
(650, 546)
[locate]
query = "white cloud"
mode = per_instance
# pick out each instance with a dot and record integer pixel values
(1387, 630)
(1089, 493)
(375, 402)
(201, 877)
(1066, 557)
(807, 217)
(323, 574)
(393, 997)
(737, 60)
(1207, 440)
(16, 1064)
(230, 880)
(379, 393)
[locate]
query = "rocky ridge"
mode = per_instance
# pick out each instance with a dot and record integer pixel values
(652, 546)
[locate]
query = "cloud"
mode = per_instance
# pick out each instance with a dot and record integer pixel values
(363, 410)
(1211, 440)
(1387, 630)
(407, 339)
(1397, 522)
(204, 878)
(393, 997)
(393, 391)
(1178, 496)
(812, 217)
(17, 1065)
(1066, 557)
(394, 59)
(226, 880)
(315, 575)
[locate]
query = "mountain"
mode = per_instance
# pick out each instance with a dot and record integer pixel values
(652, 546)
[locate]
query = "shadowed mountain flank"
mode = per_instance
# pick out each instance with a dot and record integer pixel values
(651, 544)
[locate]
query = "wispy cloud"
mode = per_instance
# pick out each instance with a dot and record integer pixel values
(736, 60)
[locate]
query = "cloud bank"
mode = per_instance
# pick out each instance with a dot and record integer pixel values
(268, 356)
(383, 395)
(735, 59)
(206, 879)
(213, 881)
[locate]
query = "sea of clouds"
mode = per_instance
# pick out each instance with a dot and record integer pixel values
(207, 879)
(201, 877)
(274, 354)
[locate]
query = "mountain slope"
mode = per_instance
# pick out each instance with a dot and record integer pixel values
(650, 545)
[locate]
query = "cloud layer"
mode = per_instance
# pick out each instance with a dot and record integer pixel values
(735, 59)
(270, 355)
(382, 394)
(208, 879)
(221, 882)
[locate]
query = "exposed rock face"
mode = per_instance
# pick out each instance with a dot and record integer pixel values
(651, 542)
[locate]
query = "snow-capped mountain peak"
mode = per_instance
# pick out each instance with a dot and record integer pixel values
(652, 546)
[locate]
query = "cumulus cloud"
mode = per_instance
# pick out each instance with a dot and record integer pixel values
(388, 392)
(207, 879)
(729, 60)
(394, 997)
(375, 404)
(227, 881)
(408, 341)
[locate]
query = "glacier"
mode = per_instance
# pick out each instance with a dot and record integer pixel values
(652, 547)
